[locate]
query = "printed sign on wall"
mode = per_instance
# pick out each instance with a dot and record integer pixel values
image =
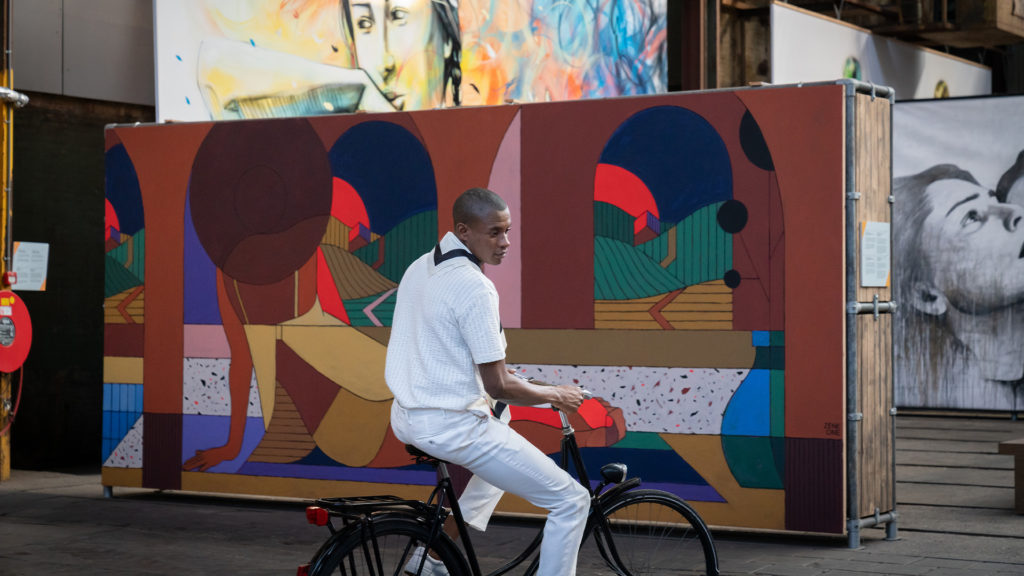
(30, 260)
(270, 58)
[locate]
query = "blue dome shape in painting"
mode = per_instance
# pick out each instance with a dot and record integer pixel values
(679, 157)
(390, 170)
(122, 190)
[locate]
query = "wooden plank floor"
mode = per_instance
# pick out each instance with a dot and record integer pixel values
(950, 478)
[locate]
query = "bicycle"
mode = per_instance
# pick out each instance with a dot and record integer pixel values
(637, 531)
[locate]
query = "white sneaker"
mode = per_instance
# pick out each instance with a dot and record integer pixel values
(430, 568)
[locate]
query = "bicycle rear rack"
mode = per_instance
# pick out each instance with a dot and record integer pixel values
(359, 506)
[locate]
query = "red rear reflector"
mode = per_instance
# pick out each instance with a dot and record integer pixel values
(303, 570)
(316, 515)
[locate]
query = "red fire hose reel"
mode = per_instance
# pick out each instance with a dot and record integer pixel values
(15, 341)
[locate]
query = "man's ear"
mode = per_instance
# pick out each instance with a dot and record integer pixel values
(928, 299)
(461, 231)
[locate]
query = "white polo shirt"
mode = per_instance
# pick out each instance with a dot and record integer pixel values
(446, 322)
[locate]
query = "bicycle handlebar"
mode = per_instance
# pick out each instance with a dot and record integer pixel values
(587, 394)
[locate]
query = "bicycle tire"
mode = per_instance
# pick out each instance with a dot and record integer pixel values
(350, 552)
(655, 532)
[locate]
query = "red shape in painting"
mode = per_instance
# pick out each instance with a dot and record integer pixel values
(622, 188)
(347, 206)
(110, 219)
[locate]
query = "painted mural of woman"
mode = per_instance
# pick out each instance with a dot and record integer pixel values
(960, 257)
(401, 55)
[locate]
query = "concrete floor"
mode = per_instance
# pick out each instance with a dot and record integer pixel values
(954, 494)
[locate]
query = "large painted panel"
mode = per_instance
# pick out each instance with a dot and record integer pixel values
(959, 187)
(680, 255)
(809, 47)
(270, 58)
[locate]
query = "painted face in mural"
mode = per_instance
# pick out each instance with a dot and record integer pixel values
(977, 246)
(402, 46)
(487, 238)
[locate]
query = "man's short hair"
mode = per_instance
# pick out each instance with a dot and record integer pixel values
(1010, 177)
(913, 208)
(476, 204)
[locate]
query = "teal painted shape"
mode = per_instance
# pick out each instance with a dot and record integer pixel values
(770, 358)
(622, 272)
(385, 311)
(613, 222)
(656, 248)
(136, 248)
(405, 242)
(703, 249)
(643, 440)
(778, 338)
(756, 462)
(117, 278)
(778, 400)
(749, 410)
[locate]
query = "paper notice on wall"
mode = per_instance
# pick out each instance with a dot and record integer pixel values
(30, 259)
(874, 254)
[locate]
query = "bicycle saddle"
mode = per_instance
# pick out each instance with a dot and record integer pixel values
(420, 455)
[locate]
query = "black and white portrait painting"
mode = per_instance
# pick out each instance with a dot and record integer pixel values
(958, 183)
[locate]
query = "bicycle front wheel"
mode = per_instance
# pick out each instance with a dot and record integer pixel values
(655, 532)
(386, 546)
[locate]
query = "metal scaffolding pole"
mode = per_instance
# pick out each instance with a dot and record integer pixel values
(9, 100)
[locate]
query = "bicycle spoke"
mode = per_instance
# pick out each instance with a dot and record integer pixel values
(385, 549)
(652, 532)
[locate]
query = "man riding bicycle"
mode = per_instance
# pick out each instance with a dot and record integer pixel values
(447, 355)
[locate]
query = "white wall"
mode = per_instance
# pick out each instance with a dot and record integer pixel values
(98, 49)
(808, 47)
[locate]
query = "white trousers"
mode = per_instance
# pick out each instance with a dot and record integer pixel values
(504, 461)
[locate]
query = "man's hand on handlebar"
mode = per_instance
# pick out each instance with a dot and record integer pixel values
(569, 398)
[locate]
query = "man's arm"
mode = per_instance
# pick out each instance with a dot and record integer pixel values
(502, 385)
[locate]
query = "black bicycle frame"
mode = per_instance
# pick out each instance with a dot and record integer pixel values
(570, 451)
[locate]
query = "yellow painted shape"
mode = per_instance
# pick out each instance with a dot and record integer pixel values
(710, 287)
(262, 346)
(294, 487)
(315, 317)
(677, 307)
(352, 431)
(625, 325)
(121, 370)
(344, 355)
(748, 507)
(670, 256)
(129, 477)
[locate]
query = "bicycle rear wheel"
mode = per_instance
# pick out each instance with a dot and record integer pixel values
(655, 532)
(356, 552)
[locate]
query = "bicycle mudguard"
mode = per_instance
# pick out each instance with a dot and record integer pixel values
(614, 492)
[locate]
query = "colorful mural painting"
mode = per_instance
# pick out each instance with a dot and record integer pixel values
(661, 244)
(273, 58)
(959, 187)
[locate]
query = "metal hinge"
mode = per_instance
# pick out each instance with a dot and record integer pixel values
(855, 416)
(853, 195)
(875, 307)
